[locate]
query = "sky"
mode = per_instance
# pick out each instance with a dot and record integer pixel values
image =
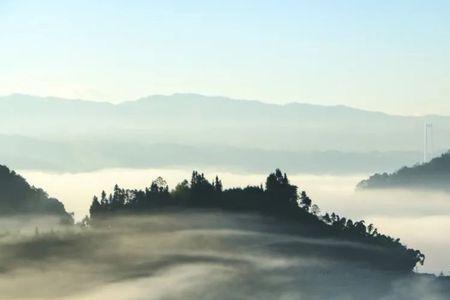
(391, 56)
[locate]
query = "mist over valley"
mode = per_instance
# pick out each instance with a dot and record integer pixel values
(221, 150)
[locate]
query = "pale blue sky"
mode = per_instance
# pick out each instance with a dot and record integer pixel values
(392, 56)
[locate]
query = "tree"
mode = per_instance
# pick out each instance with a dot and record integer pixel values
(315, 210)
(158, 193)
(361, 227)
(281, 194)
(370, 229)
(103, 199)
(218, 185)
(305, 201)
(326, 218)
(202, 191)
(118, 198)
(349, 224)
(181, 193)
(95, 207)
(159, 185)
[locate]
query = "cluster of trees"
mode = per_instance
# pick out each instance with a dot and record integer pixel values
(369, 234)
(277, 198)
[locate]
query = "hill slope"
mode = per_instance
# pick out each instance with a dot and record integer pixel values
(278, 199)
(432, 175)
(17, 197)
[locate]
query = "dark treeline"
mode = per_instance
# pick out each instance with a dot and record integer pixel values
(434, 174)
(17, 197)
(278, 198)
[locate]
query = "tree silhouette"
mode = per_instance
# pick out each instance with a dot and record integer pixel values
(432, 175)
(305, 201)
(279, 198)
(17, 197)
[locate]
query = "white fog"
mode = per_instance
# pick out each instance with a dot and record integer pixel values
(193, 255)
(419, 219)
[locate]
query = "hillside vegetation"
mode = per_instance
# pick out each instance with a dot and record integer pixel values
(278, 199)
(432, 175)
(17, 197)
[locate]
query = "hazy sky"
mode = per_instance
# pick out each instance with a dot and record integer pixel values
(388, 55)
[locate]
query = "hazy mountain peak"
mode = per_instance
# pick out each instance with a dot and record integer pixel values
(194, 98)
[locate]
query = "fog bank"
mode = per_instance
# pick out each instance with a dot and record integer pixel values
(421, 219)
(193, 255)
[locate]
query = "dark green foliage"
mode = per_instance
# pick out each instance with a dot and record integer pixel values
(278, 199)
(432, 175)
(305, 201)
(280, 194)
(17, 197)
(202, 191)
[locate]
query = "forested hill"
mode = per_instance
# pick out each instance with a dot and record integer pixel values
(17, 197)
(432, 175)
(278, 199)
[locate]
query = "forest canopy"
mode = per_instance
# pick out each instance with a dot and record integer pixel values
(17, 197)
(277, 198)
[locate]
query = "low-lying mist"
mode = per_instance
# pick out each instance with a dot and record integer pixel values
(191, 255)
(421, 219)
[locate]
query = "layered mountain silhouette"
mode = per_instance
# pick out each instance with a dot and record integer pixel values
(329, 138)
(87, 155)
(431, 175)
(18, 198)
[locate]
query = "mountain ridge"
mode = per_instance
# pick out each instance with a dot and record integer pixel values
(203, 98)
(196, 120)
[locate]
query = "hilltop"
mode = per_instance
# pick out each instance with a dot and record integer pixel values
(291, 209)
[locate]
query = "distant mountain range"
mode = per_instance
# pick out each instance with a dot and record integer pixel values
(432, 175)
(88, 155)
(18, 198)
(55, 133)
